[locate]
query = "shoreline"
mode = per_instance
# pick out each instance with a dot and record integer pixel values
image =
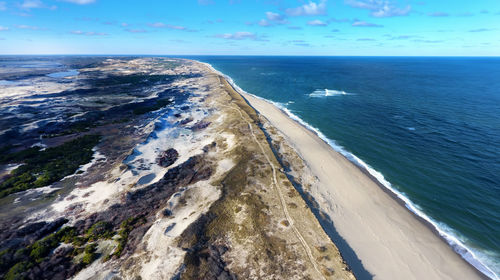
(399, 197)
(447, 243)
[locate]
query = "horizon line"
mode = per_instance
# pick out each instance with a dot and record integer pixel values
(252, 55)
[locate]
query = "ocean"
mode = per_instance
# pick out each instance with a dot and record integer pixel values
(428, 128)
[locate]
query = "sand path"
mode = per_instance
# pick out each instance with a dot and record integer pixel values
(280, 194)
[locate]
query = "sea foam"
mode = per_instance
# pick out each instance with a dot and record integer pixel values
(327, 92)
(475, 258)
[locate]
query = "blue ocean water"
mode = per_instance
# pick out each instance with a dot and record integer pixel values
(430, 125)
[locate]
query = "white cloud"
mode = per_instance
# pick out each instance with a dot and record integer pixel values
(264, 22)
(3, 6)
(338, 20)
(402, 37)
(136, 30)
(388, 11)
(32, 4)
(273, 16)
(272, 19)
(23, 26)
(359, 23)
(438, 14)
(380, 8)
(35, 4)
(317, 22)
(428, 41)
(3, 28)
(309, 9)
(481, 30)
(80, 2)
(79, 32)
(176, 27)
(276, 17)
(163, 25)
(241, 35)
(300, 43)
(157, 24)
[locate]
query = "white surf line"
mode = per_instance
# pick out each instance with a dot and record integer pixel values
(282, 200)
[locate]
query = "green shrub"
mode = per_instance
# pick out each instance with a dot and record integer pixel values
(42, 168)
(90, 248)
(5, 259)
(67, 234)
(42, 180)
(6, 157)
(17, 271)
(79, 241)
(125, 228)
(21, 254)
(88, 258)
(89, 255)
(41, 248)
(100, 230)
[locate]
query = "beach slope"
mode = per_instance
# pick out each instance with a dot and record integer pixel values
(387, 240)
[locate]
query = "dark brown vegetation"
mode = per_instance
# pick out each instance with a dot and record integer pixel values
(167, 157)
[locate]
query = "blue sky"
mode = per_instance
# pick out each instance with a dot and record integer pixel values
(251, 27)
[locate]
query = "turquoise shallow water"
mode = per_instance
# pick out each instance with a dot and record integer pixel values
(431, 126)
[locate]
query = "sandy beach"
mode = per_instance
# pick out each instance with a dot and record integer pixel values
(388, 240)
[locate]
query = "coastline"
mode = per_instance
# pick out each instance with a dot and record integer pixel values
(413, 244)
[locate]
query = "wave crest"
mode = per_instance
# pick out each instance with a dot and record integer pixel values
(327, 92)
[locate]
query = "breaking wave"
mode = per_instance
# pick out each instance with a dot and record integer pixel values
(327, 92)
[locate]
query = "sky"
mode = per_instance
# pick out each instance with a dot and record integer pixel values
(251, 27)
